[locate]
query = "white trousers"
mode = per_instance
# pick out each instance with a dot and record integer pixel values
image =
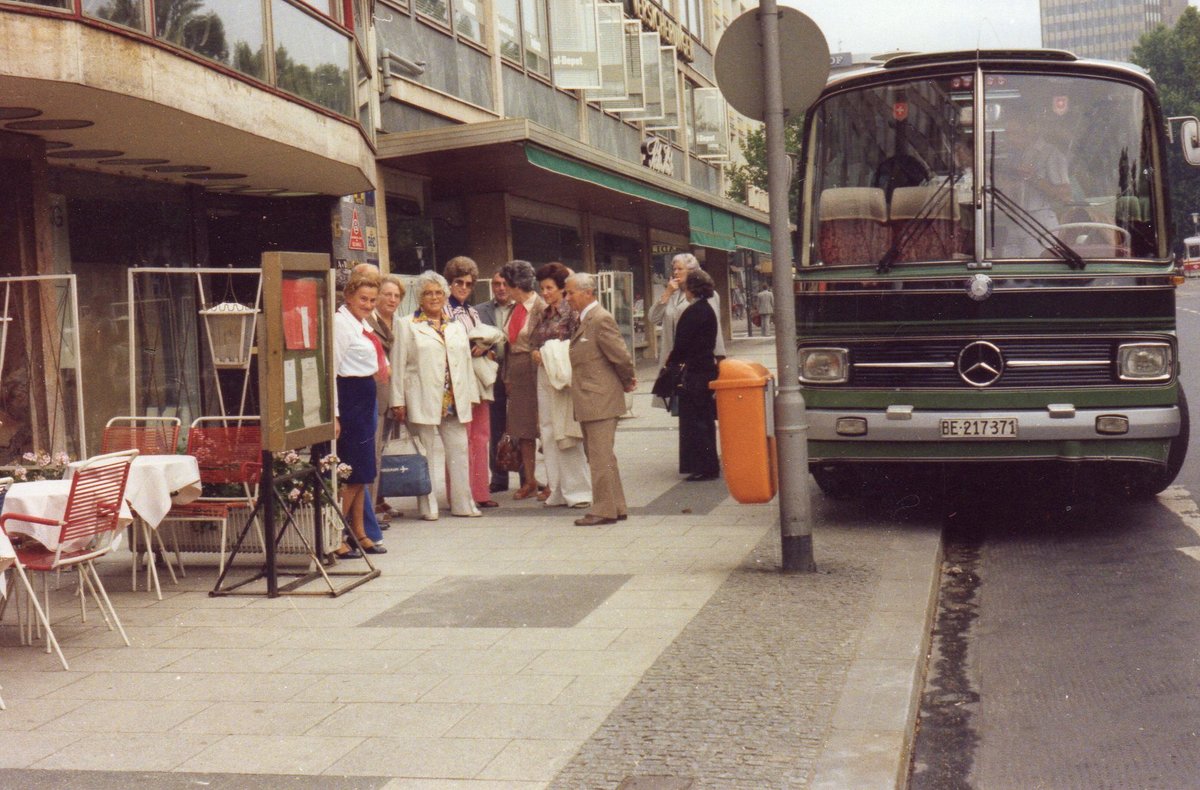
(454, 442)
(567, 472)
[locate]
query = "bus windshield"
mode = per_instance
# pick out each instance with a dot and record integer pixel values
(1063, 170)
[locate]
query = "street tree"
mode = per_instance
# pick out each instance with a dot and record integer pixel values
(1172, 56)
(754, 171)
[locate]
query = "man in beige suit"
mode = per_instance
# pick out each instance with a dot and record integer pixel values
(601, 372)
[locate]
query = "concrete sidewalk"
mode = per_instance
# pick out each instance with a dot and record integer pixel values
(511, 651)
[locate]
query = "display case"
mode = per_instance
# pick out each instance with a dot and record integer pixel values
(614, 291)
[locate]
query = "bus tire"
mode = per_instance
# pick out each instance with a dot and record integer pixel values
(1143, 483)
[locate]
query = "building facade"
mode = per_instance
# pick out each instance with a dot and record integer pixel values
(1106, 29)
(139, 136)
(485, 152)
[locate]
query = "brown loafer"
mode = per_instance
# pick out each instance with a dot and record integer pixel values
(487, 503)
(591, 520)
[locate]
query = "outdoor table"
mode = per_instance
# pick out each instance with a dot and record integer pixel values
(7, 557)
(155, 483)
(46, 499)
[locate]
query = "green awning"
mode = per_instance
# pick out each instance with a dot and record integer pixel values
(573, 168)
(751, 235)
(708, 226)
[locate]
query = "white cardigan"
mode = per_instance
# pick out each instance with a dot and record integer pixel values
(419, 359)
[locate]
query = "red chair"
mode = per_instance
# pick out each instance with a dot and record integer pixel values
(147, 435)
(86, 531)
(229, 452)
(925, 223)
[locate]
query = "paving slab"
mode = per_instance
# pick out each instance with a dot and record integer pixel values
(511, 652)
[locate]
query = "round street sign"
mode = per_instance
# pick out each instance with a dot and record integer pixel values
(803, 60)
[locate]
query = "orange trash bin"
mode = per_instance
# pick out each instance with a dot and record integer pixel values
(745, 394)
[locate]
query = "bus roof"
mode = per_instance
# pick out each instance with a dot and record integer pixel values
(900, 61)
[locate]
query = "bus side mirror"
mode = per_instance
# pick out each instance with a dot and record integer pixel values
(1189, 140)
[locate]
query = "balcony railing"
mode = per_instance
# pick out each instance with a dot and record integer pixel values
(313, 56)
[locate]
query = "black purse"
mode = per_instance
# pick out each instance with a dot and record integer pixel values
(669, 381)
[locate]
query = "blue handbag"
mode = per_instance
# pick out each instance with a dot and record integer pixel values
(404, 475)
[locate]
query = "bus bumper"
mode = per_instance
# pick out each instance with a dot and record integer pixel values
(1059, 432)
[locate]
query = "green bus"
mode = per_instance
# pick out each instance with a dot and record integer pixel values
(985, 269)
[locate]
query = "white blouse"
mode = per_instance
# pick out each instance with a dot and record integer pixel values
(353, 352)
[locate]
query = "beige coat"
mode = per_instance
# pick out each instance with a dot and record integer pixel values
(419, 360)
(601, 367)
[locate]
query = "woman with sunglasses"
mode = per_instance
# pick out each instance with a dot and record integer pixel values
(462, 273)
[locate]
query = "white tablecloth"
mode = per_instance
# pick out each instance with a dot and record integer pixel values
(46, 499)
(157, 481)
(6, 557)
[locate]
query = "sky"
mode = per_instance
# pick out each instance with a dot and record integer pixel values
(874, 26)
(869, 27)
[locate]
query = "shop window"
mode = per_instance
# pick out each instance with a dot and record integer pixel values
(467, 16)
(230, 32)
(130, 13)
(508, 19)
(410, 236)
(330, 8)
(539, 242)
(49, 3)
(524, 34)
(312, 60)
(692, 18)
(623, 254)
(468, 20)
(537, 45)
(437, 10)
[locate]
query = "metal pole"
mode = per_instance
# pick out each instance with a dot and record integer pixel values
(791, 425)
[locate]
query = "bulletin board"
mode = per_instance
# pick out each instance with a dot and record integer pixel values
(295, 343)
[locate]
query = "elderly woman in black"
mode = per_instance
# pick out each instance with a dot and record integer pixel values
(695, 341)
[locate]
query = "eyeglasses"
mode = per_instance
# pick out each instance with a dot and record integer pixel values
(463, 281)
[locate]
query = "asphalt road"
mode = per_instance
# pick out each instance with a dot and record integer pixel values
(1066, 644)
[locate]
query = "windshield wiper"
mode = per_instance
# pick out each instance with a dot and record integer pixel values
(917, 225)
(1031, 225)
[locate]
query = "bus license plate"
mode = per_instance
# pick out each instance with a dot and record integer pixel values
(980, 428)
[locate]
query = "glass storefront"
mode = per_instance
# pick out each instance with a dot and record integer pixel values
(615, 253)
(539, 242)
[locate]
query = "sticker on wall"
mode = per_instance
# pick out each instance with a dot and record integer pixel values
(357, 242)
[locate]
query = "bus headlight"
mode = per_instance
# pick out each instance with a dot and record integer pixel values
(823, 366)
(1144, 362)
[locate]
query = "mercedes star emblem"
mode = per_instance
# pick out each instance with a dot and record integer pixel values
(980, 364)
(979, 287)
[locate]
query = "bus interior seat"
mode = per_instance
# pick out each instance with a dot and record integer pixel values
(853, 225)
(929, 215)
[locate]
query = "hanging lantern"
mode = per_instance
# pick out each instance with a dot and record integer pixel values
(230, 333)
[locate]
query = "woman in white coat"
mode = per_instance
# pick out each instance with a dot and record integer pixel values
(433, 389)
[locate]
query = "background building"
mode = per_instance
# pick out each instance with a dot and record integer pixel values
(488, 150)
(138, 134)
(1105, 29)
